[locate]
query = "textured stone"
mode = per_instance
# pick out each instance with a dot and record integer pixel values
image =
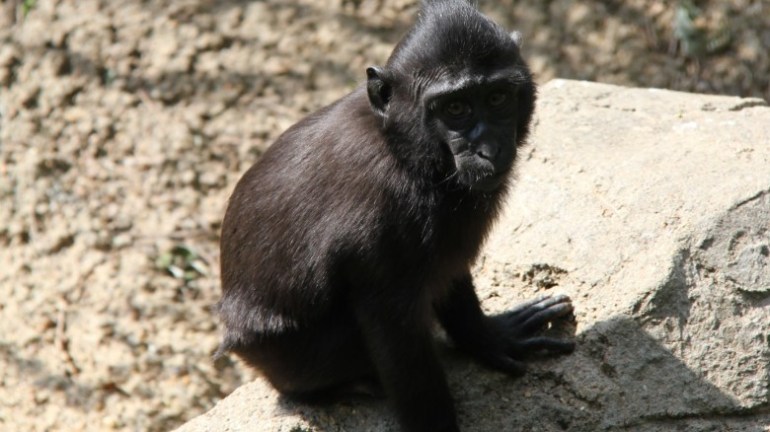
(650, 208)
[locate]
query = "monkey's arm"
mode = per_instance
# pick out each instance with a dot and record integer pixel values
(500, 341)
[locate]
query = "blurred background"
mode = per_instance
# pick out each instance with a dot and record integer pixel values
(124, 125)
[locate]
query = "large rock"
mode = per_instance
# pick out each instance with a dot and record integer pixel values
(651, 209)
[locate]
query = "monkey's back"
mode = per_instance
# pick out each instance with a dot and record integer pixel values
(314, 197)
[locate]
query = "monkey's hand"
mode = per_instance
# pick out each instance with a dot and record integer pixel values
(515, 334)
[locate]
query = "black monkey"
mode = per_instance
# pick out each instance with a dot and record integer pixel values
(357, 228)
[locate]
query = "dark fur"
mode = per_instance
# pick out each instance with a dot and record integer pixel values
(357, 228)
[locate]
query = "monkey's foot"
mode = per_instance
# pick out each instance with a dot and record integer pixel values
(516, 333)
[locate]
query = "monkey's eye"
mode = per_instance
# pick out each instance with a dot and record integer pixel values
(497, 99)
(457, 108)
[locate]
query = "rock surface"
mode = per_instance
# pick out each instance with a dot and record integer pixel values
(124, 126)
(651, 208)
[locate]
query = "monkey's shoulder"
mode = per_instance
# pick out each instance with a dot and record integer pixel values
(335, 142)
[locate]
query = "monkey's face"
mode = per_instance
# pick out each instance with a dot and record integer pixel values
(478, 123)
(455, 99)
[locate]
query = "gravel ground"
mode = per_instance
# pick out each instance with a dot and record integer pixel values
(124, 125)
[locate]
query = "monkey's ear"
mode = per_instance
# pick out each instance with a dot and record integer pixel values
(517, 38)
(379, 90)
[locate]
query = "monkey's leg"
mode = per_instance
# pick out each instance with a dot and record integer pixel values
(501, 341)
(397, 334)
(315, 365)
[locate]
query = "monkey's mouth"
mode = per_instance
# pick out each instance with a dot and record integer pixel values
(478, 174)
(488, 184)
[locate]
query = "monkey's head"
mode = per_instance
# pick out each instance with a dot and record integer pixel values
(455, 98)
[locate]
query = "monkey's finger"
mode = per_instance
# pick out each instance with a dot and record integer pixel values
(540, 318)
(532, 345)
(521, 307)
(547, 303)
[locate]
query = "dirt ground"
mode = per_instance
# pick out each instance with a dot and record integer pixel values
(125, 125)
